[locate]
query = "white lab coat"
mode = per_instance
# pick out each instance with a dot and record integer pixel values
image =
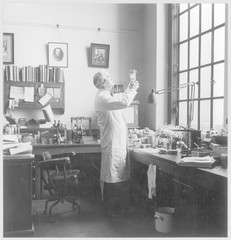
(113, 134)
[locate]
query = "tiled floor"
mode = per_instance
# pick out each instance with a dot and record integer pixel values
(91, 222)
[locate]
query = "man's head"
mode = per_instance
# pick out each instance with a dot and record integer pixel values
(102, 80)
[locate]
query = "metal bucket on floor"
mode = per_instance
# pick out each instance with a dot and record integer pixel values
(164, 219)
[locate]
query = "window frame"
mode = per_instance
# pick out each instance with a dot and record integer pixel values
(174, 60)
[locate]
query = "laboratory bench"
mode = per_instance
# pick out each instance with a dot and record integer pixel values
(199, 195)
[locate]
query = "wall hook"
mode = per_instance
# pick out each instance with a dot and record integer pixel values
(98, 29)
(57, 25)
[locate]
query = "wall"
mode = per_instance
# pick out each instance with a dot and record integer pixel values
(155, 65)
(126, 48)
(162, 63)
(147, 111)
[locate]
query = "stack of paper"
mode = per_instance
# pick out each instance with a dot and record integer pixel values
(11, 146)
(201, 162)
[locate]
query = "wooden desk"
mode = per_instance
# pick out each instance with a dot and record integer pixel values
(199, 195)
(17, 196)
(88, 153)
(65, 147)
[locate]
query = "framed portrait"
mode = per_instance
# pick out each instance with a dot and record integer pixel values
(99, 55)
(8, 48)
(57, 54)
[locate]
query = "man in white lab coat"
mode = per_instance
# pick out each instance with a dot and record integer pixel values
(114, 172)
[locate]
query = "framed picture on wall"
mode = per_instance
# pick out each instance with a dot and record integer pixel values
(57, 54)
(99, 55)
(8, 48)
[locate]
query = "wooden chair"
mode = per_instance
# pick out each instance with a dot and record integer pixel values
(61, 181)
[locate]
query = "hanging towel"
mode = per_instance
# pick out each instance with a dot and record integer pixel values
(151, 173)
(101, 183)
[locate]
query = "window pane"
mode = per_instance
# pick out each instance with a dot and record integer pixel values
(218, 87)
(183, 56)
(206, 17)
(219, 14)
(183, 26)
(183, 114)
(206, 48)
(183, 6)
(194, 123)
(194, 53)
(192, 4)
(218, 113)
(194, 21)
(194, 78)
(205, 115)
(205, 82)
(219, 44)
(183, 91)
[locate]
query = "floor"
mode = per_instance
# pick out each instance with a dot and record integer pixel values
(91, 223)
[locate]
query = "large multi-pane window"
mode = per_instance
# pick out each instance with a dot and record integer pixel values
(200, 43)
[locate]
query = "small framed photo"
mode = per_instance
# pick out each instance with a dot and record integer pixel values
(8, 48)
(57, 54)
(99, 55)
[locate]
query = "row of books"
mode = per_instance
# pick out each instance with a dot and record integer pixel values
(42, 73)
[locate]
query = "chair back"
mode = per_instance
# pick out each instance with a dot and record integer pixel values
(57, 174)
(54, 168)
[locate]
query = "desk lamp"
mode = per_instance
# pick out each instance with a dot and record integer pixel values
(152, 96)
(152, 99)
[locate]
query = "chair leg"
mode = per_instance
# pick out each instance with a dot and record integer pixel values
(46, 205)
(74, 203)
(55, 203)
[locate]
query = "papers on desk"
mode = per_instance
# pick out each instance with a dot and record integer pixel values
(201, 162)
(10, 139)
(11, 146)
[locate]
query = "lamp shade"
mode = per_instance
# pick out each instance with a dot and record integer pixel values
(152, 97)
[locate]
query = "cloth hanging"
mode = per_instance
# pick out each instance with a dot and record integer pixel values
(151, 174)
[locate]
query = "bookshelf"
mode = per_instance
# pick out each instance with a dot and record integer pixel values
(19, 81)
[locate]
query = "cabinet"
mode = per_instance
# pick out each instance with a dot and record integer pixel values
(56, 102)
(131, 114)
(199, 211)
(164, 189)
(17, 199)
(185, 204)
